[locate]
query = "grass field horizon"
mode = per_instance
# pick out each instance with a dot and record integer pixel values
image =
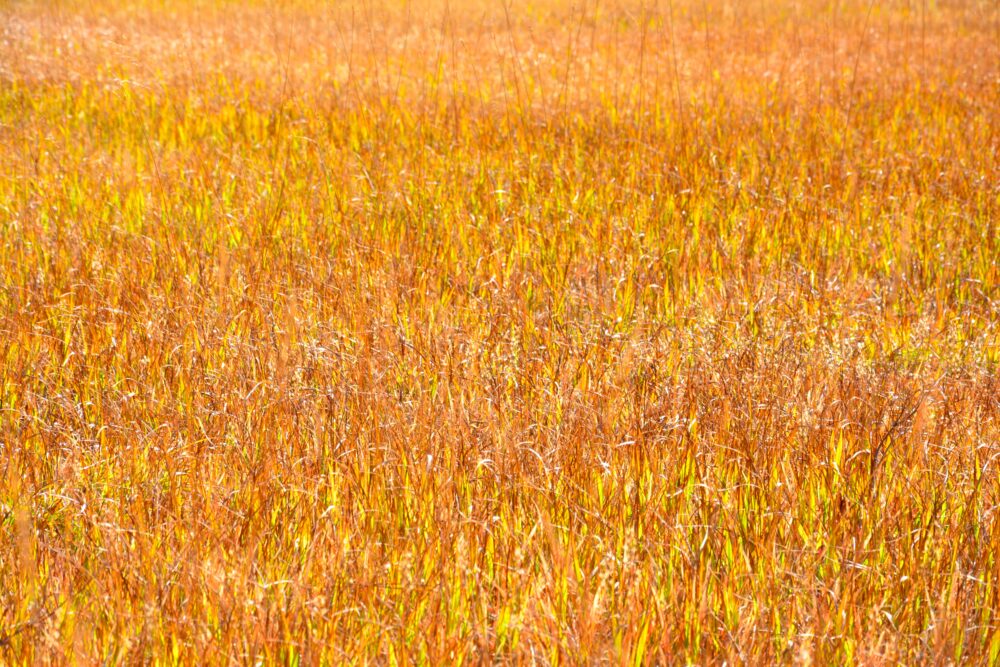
(551, 332)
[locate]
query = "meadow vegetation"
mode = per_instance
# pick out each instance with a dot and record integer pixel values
(557, 332)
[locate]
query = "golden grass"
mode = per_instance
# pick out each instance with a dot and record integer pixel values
(557, 332)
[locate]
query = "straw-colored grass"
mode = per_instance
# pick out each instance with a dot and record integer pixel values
(555, 332)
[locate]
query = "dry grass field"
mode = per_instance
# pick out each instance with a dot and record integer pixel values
(532, 331)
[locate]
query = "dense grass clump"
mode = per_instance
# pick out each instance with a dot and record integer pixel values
(556, 332)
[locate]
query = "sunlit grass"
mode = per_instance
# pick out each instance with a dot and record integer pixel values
(555, 332)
